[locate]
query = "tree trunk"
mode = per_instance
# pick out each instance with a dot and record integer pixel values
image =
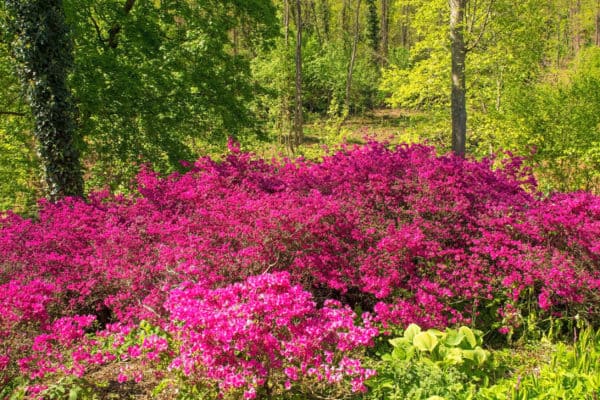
(286, 20)
(458, 95)
(298, 121)
(385, 23)
(325, 14)
(597, 41)
(344, 23)
(44, 51)
(373, 28)
(405, 27)
(286, 131)
(352, 59)
(575, 17)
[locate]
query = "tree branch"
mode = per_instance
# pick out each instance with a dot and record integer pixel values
(113, 33)
(16, 114)
(483, 26)
(97, 28)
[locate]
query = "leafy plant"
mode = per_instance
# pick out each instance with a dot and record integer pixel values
(430, 363)
(572, 373)
(70, 388)
(407, 235)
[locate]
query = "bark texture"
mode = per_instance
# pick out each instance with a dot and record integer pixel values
(458, 94)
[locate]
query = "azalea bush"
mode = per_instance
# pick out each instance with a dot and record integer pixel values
(395, 235)
(262, 332)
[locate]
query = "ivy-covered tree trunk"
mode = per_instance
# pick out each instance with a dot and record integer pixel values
(458, 95)
(373, 27)
(44, 51)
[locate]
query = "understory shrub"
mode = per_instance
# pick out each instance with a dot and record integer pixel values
(400, 233)
(424, 364)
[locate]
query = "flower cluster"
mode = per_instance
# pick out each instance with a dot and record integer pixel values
(402, 232)
(243, 334)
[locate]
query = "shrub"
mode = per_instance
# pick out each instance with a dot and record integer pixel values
(431, 363)
(402, 233)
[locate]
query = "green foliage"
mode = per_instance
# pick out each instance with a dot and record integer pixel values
(452, 365)
(522, 91)
(43, 50)
(71, 388)
(14, 389)
(18, 164)
(173, 85)
(432, 363)
(561, 122)
(325, 74)
(421, 80)
(573, 373)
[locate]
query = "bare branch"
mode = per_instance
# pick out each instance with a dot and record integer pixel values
(483, 27)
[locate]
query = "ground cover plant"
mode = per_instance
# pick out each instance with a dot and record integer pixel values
(255, 279)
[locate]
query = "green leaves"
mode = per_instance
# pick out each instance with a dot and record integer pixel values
(412, 331)
(425, 341)
(572, 373)
(468, 335)
(171, 87)
(460, 347)
(432, 364)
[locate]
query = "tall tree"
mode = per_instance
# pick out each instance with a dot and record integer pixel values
(597, 38)
(458, 94)
(298, 119)
(385, 29)
(44, 51)
(325, 13)
(373, 27)
(352, 57)
(405, 24)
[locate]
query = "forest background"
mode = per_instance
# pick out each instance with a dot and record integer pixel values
(163, 81)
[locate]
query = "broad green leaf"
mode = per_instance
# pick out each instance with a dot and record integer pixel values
(436, 332)
(399, 342)
(74, 393)
(469, 335)
(399, 353)
(425, 341)
(412, 331)
(454, 338)
(480, 355)
(469, 354)
(454, 356)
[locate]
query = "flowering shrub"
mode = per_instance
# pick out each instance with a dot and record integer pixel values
(401, 232)
(254, 334)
